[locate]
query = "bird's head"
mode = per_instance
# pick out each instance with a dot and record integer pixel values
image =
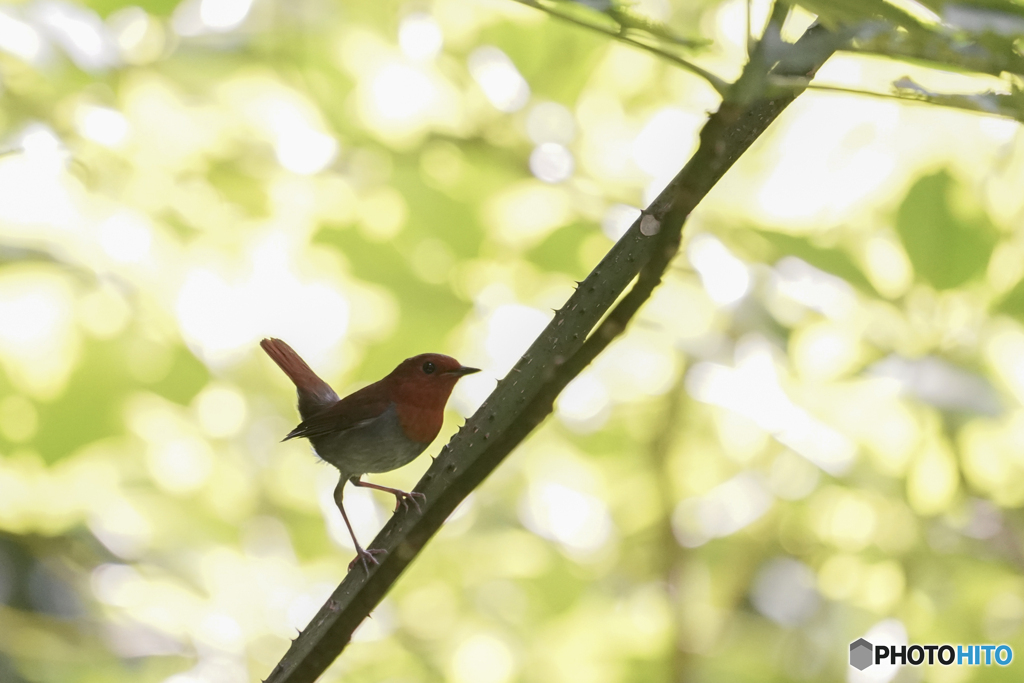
(427, 379)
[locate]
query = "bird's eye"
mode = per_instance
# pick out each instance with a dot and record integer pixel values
(428, 368)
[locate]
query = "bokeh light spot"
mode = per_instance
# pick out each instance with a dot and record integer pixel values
(221, 410)
(498, 77)
(482, 658)
(724, 276)
(551, 162)
(223, 15)
(420, 36)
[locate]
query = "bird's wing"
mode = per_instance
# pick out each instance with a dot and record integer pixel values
(354, 410)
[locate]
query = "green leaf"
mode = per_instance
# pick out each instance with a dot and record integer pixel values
(946, 249)
(1013, 302)
(829, 259)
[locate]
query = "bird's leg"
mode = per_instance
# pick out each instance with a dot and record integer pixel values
(402, 498)
(364, 556)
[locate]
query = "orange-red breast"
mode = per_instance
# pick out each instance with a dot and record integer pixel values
(375, 429)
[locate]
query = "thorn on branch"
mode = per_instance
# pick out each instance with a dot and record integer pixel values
(649, 225)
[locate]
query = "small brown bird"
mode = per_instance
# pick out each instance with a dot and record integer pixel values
(376, 429)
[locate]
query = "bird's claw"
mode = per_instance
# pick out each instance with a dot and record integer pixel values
(402, 499)
(366, 556)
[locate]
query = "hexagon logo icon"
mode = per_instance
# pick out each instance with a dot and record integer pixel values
(860, 654)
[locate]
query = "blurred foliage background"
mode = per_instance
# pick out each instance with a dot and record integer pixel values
(814, 431)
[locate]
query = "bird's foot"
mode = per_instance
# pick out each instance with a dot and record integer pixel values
(366, 557)
(403, 498)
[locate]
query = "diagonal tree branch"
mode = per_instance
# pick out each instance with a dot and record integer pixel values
(524, 398)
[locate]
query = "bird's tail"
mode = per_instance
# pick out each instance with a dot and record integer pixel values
(314, 393)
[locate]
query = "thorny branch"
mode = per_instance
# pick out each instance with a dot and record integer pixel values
(524, 398)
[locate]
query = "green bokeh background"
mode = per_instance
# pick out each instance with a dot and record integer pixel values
(814, 430)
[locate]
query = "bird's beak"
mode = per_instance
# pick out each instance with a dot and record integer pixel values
(462, 370)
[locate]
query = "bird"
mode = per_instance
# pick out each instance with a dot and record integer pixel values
(378, 428)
